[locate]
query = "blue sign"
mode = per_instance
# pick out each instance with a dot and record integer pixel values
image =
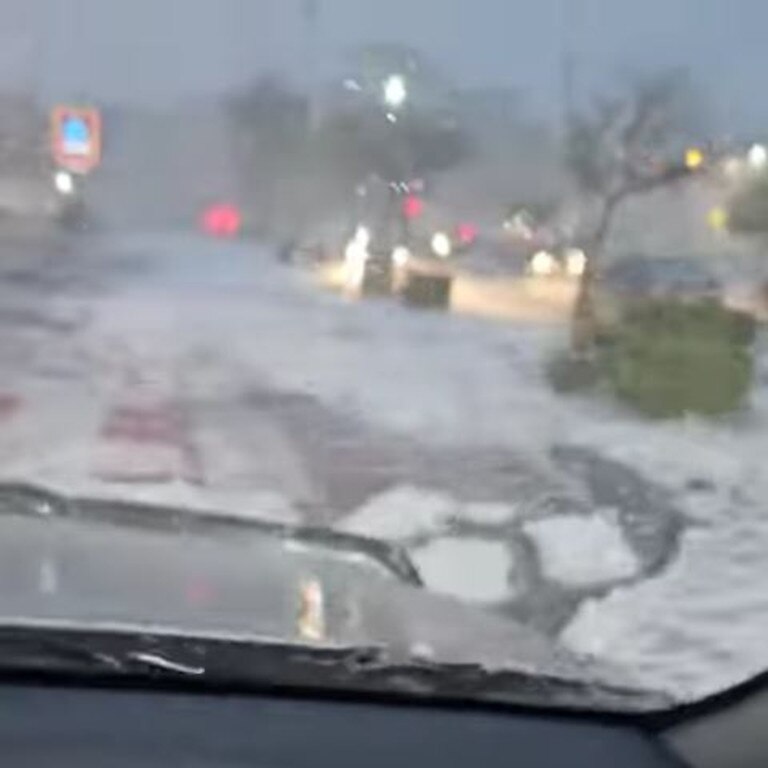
(75, 130)
(76, 138)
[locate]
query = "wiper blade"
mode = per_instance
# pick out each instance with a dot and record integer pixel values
(512, 686)
(159, 663)
(255, 665)
(30, 500)
(41, 650)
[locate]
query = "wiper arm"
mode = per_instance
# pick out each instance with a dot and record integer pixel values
(30, 500)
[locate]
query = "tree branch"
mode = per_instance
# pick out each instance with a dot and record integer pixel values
(644, 184)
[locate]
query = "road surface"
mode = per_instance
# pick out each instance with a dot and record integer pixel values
(174, 369)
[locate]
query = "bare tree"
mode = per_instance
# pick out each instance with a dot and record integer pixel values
(619, 150)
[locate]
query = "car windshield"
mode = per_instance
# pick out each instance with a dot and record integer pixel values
(334, 267)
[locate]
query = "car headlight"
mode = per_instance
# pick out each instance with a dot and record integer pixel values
(575, 262)
(543, 264)
(64, 182)
(400, 256)
(355, 257)
(441, 245)
(362, 236)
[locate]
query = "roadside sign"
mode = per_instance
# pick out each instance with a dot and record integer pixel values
(76, 138)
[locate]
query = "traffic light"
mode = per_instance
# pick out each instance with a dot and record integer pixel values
(466, 233)
(413, 207)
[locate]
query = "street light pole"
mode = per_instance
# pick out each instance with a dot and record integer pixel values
(394, 91)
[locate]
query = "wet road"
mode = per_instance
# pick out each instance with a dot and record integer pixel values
(171, 369)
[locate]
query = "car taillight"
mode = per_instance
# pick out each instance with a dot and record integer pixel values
(221, 220)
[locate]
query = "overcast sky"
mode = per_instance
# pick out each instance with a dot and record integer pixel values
(156, 50)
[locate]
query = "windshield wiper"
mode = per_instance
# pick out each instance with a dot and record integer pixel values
(382, 672)
(256, 665)
(36, 501)
(38, 650)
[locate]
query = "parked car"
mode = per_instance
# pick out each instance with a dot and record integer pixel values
(635, 279)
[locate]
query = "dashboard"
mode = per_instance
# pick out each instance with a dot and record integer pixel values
(47, 727)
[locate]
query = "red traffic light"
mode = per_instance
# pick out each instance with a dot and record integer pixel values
(466, 233)
(413, 207)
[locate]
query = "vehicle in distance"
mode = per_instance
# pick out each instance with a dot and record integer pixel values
(632, 280)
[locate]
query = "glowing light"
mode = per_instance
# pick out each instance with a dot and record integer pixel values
(575, 262)
(222, 220)
(355, 258)
(757, 157)
(311, 619)
(64, 182)
(395, 91)
(717, 219)
(467, 233)
(400, 256)
(543, 264)
(441, 245)
(413, 207)
(694, 158)
(363, 236)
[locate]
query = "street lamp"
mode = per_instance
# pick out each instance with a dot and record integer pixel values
(395, 91)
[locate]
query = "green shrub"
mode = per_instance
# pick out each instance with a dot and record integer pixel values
(670, 359)
(707, 319)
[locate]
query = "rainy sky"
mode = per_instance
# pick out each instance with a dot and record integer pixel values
(160, 50)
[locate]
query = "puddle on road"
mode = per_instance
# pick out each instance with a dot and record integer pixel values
(349, 464)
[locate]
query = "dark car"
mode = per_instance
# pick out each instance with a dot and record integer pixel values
(634, 279)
